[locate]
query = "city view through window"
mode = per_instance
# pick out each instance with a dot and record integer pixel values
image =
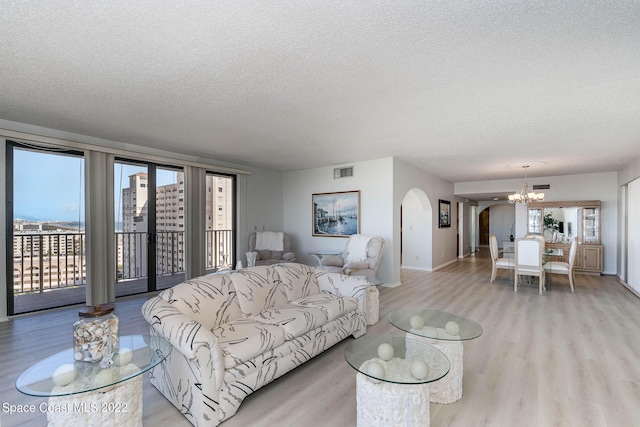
(49, 259)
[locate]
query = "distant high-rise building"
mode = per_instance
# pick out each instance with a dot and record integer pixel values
(170, 221)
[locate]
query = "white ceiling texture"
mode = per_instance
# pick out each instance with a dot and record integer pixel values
(461, 89)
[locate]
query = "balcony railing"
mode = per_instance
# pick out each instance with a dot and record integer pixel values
(45, 261)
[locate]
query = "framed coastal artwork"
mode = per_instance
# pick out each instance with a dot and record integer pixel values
(445, 213)
(336, 214)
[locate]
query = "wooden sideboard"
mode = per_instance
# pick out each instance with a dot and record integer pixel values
(589, 258)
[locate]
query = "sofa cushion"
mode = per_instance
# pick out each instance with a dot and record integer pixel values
(295, 320)
(210, 300)
(244, 339)
(299, 280)
(258, 289)
(332, 305)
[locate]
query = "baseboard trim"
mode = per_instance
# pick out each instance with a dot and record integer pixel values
(628, 286)
(445, 264)
(417, 268)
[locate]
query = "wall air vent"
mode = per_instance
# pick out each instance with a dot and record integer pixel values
(542, 187)
(343, 172)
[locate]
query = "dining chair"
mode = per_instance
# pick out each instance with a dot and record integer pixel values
(539, 237)
(561, 267)
(528, 261)
(496, 261)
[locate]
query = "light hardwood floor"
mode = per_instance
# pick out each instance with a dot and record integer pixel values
(559, 359)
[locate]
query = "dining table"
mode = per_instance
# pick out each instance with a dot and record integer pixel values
(549, 254)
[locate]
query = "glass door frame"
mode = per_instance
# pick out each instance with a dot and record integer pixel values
(10, 147)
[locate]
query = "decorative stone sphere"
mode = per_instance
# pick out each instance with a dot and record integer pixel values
(385, 351)
(376, 370)
(419, 369)
(417, 322)
(64, 374)
(123, 356)
(104, 378)
(452, 328)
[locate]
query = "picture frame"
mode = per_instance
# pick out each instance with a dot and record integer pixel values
(444, 213)
(335, 214)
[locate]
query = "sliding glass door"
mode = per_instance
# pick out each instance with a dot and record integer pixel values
(220, 221)
(150, 226)
(46, 264)
(46, 241)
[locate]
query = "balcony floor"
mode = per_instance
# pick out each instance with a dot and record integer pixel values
(62, 297)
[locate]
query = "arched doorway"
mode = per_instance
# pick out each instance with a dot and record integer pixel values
(416, 219)
(498, 219)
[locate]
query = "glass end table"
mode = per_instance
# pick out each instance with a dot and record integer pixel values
(392, 383)
(445, 331)
(84, 393)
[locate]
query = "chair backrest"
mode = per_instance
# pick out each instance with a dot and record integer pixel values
(286, 243)
(528, 252)
(573, 251)
(539, 237)
(493, 247)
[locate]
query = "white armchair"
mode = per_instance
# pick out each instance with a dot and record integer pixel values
(360, 257)
(272, 247)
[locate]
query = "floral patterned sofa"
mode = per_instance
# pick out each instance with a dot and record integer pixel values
(233, 333)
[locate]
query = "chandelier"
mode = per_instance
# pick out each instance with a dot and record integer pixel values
(525, 195)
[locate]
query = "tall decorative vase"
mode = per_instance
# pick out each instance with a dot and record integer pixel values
(251, 258)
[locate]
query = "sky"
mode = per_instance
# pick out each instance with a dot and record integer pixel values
(344, 203)
(50, 187)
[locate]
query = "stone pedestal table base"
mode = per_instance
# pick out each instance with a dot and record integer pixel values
(119, 406)
(449, 388)
(373, 305)
(387, 404)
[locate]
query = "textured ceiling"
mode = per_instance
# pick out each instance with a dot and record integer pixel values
(460, 89)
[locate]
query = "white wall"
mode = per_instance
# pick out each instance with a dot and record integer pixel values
(260, 207)
(444, 242)
(595, 186)
(502, 218)
(372, 178)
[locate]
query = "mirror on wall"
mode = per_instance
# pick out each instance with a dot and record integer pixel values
(559, 222)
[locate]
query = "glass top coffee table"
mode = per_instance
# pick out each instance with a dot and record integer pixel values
(445, 331)
(82, 391)
(435, 324)
(392, 384)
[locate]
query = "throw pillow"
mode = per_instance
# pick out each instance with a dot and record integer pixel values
(357, 265)
(332, 260)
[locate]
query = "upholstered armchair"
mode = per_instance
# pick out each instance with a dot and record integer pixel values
(360, 257)
(272, 247)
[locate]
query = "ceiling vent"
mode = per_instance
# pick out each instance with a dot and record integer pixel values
(343, 172)
(542, 187)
